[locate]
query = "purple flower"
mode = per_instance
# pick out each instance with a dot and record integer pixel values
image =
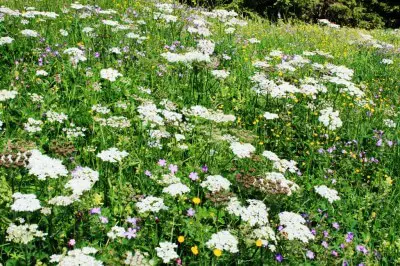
(379, 143)
(389, 143)
(336, 225)
(173, 168)
(130, 233)
(71, 242)
(131, 220)
(334, 253)
(345, 263)
(279, 257)
(204, 168)
(313, 231)
(103, 219)
(162, 162)
(191, 212)
(361, 248)
(324, 244)
(349, 237)
(310, 254)
(321, 150)
(95, 211)
(97, 54)
(280, 228)
(147, 173)
(194, 176)
(326, 234)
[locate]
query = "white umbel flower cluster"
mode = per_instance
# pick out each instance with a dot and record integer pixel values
(223, 240)
(7, 95)
(256, 214)
(276, 183)
(33, 125)
(56, 117)
(112, 155)
(43, 166)
(216, 183)
(176, 189)
(77, 257)
(189, 57)
(294, 227)
(25, 202)
(330, 194)
(24, 233)
(215, 116)
(6, 40)
(330, 118)
(242, 150)
(151, 204)
(220, 74)
(166, 251)
(110, 74)
(83, 178)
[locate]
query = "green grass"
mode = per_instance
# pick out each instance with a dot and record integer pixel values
(369, 192)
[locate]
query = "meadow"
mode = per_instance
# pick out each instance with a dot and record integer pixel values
(149, 133)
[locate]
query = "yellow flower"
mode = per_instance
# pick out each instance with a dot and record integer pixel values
(196, 200)
(181, 239)
(217, 252)
(259, 243)
(195, 250)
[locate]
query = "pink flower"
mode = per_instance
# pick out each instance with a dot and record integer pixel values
(71, 242)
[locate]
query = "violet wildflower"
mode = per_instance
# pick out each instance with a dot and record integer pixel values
(279, 257)
(336, 225)
(193, 176)
(162, 162)
(361, 248)
(191, 212)
(349, 237)
(131, 233)
(204, 168)
(147, 173)
(103, 219)
(96, 210)
(71, 242)
(310, 254)
(324, 244)
(173, 168)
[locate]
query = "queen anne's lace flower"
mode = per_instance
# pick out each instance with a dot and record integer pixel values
(223, 240)
(25, 202)
(242, 150)
(43, 166)
(77, 257)
(216, 183)
(294, 227)
(330, 194)
(151, 204)
(330, 118)
(166, 251)
(176, 189)
(112, 155)
(24, 233)
(110, 74)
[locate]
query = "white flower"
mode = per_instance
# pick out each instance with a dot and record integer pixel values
(242, 150)
(110, 74)
(112, 155)
(25, 202)
(151, 204)
(223, 240)
(56, 117)
(7, 95)
(176, 189)
(294, 227)
(166, 251)
(330, 118)
(43, 166)
(215, 183)
(387, 61)
(220, 74)
(41, 73)
(270, 116)
(271, 156)
(255, 214)
(64, 32)
(33, 125)
(206, 46)
(77, 257)
(83, 178)
(6, 40)
(63, 200)
(276, 183)
(29, 33)
(116, 231)
(330, 194)
(23, 233)
(389, 123)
